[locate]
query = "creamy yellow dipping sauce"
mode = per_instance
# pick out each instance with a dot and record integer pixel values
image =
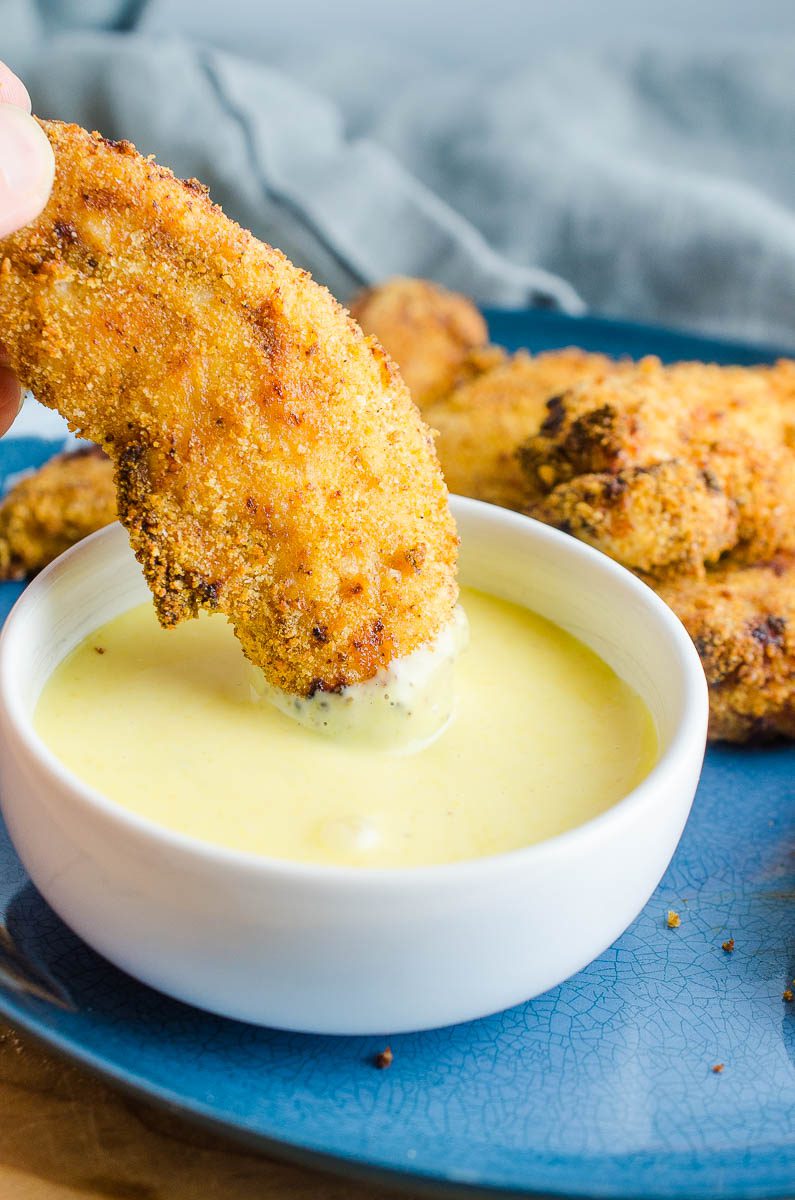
(544, 737)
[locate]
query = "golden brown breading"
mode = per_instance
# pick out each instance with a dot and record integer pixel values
(426, 329)
(49, 510)
(719, 443)
(482, 421)
(742, 621)
(270, 464)
(645, 517)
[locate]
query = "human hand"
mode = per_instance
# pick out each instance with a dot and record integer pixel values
(27, 168)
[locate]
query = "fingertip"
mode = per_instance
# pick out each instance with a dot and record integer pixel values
(12, 89)
(10, 399)
(27, 168)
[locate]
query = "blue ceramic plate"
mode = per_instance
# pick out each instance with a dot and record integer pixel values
(602, 1087)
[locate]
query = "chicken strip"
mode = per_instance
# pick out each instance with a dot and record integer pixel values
(426, 329)
(49, 510)
(499, 402)
(270, 464)
(742, 621)
(667, 468)
(644, 517)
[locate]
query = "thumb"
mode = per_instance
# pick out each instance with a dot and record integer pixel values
(27, 168)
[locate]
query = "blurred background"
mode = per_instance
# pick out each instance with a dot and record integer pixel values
(634, 158)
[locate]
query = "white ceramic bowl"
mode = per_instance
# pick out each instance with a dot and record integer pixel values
(339, 949)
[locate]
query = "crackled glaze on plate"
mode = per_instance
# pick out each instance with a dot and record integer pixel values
(602, 1087)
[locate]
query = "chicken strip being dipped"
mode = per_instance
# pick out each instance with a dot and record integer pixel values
(49, 510)
(270, 464)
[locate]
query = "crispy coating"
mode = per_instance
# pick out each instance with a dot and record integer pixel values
(270, 464)
(500, 401)
(49, 510)
(426, 329)
(742, 621)
(667, 468)
(645, 517)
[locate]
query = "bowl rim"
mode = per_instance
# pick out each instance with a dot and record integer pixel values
(686, 748)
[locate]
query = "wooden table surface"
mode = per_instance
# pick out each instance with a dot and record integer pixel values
(65, 1135)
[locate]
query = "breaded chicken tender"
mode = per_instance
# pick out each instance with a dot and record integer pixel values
(49, 510)
(270, 464)
(484, 419)
(742, 621)
(427, 330)
(645, 517)
(668, 468)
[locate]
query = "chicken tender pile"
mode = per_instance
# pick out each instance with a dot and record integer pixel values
(269, 462)
(669, 468)
(427, 330)
(685, 474)
(48, 511)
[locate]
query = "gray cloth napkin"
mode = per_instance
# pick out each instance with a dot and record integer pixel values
(651, 183)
